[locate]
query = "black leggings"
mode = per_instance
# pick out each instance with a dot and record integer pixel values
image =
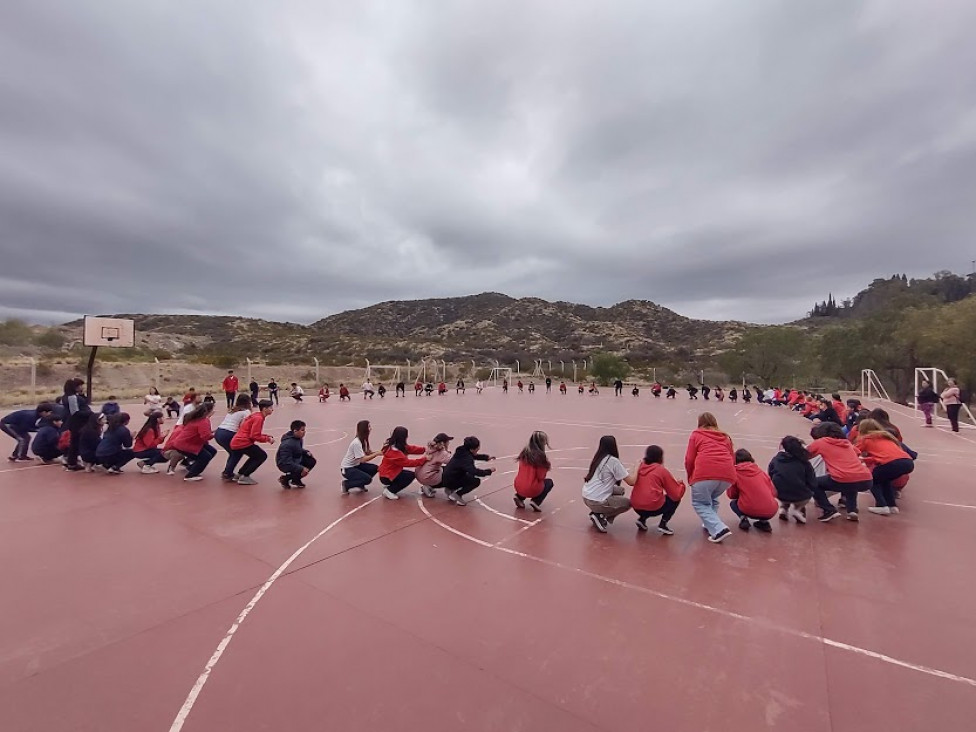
(255, 457)
(952, 412)
(546, 487)
(666, 511)
(403, 479)
(884, 475)
(468, 484)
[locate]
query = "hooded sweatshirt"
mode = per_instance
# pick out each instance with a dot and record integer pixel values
(250, 432)
(430, 472)
(843, 464)
(288, 458)
(530, 479)
(394, 461)
(754, 491)
(654, 481)
(793, 478)
(709, 457)
(879, 450)
(45, 444)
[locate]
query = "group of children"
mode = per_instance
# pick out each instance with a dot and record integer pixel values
(85, 439)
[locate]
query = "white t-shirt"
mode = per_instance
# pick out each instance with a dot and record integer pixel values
(185, 410)
(153, 400)
(298, 391)
(353, 455)
(600, 487)
(233, 420)
(368, 386)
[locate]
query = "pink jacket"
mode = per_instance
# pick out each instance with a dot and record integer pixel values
(430, 472)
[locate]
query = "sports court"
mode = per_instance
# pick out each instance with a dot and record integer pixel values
(140, 602)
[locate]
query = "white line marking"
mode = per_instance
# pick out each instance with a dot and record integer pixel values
(708, 608)
(954, 505)
(222, 646)
(503, 515)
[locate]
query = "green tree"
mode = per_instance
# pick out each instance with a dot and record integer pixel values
(607, 367)
(14, 332)
(50, 339)
(771, 355)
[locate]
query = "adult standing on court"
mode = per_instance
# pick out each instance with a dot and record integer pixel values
(926, 400)
(273, 391)
(255, 390)
(618, 387)
(952, 401)
(230, 388)
(710, 464)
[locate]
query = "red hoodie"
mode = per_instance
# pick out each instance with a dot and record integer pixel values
(230, 383)
(249, 432)
(148, 441)
(654, 481)
(709, 457)
(191, 437)
(843, 464)
(529, 478)
(395, 461)
(878, 450)
(755, 491)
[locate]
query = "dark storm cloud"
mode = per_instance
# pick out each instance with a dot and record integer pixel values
(289, 160)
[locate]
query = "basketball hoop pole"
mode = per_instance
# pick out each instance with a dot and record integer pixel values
(91, 370)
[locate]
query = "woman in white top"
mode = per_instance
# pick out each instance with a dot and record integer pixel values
(226, 431)
(153, 399)
(356, 468)
(602, 492)
(952, 403)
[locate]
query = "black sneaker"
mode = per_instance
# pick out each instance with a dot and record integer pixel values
(297, 484)
(744, 523)
(720, 536)
(599, 523)
(519, 501)
(665, 529)
(641, 525)
(829, 515)
(284, 482)
(764, 527)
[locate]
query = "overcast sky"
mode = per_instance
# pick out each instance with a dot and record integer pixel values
(289, 160)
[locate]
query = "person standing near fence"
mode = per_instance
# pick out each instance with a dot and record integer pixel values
(273, 391)
(255, 390)
(230, 385)
(926, 400)
(951, 400)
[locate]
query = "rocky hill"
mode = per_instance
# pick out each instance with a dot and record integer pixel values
(489, 325)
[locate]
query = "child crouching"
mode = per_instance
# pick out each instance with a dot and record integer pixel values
(656, 492)
(292, 458)
(753, 494)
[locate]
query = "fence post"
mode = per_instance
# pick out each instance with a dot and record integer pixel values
(248, 369)
(33, 379)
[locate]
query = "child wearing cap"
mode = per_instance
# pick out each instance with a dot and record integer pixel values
(429, 474)
(460, 474)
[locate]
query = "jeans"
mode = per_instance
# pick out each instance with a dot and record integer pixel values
(152, 456)
(952, 412)
(734, 505)
(882, 490)
(255, 457)
(231, 396)
(848, 490)
(546, 487)
(665, 512)
(200, 460)
(359, 476)
(704, 499)
(402, 480)
(223, 437)
(308, 462)
(23, 440)
(116, 460)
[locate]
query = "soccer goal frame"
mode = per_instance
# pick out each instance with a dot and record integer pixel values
(497, 375)
(393, 370)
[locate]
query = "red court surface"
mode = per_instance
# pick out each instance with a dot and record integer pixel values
(141, 602)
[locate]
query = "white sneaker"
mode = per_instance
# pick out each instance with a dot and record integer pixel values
(880, 510)
(427, 491)
(895, 509)
(193, 478)
(148, 470)
(796, 515)
(453, 497)
(387, 493)
(535, 506)
(246, 480)
(170, 471)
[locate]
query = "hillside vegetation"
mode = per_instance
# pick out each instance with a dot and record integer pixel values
(892, 326)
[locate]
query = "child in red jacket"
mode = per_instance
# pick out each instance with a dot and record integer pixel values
(531, 482)
(753, 494)
(245, 442)
(656, 492)
(393, 468)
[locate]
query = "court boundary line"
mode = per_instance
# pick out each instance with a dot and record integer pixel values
(208, 668)
(938, 673)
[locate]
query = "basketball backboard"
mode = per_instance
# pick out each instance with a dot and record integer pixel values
(110, 332)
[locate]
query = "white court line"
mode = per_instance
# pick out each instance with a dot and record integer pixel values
(708, 608)
(222, 646)
(550, 514)
(953, 505)
(39, 464)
